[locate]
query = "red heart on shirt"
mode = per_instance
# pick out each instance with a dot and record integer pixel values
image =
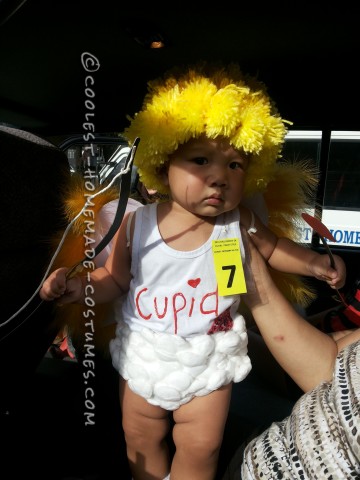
(194, 283)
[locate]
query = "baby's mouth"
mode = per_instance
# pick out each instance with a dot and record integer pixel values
(214, 200)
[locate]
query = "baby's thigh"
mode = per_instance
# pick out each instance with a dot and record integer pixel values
(201, 422)
(140, 419)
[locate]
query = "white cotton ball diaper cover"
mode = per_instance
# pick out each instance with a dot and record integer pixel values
(168, 370)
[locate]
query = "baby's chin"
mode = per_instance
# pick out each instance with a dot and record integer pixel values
(212, 211)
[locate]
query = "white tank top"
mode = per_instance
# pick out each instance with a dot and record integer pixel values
(174, 291)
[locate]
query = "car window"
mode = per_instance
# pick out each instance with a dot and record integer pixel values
(338, 199)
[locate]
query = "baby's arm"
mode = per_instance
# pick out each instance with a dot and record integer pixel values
(287, 256)
(290, 257)
(105, 283)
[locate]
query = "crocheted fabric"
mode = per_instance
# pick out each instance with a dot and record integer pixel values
(320, 439)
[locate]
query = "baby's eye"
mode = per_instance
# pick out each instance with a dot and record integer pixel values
(236, 165)
(201, 160)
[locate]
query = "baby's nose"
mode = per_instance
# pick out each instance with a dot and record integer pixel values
(218, 176)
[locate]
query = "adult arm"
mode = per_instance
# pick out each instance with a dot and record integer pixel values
(304, 352)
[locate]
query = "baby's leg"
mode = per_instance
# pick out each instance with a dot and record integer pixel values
(145, 427)
(198, 433)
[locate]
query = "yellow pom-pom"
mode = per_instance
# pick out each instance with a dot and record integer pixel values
(211, 101)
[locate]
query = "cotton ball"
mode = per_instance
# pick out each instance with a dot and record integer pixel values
(216, 380)
(190, 359)
(239, 324)
(203, 345)
(242, 369)
(146, 353)
(137, 371)
(181, 380)
(140, 387)
(158, 370)
(198, 384)
(203, 392)
(166, 392)
(195, 371)
(218, 360)
(166, 347)
(229, 343)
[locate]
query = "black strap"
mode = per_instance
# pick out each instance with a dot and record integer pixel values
(125, 185)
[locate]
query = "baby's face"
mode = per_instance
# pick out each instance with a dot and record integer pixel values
(206, 176)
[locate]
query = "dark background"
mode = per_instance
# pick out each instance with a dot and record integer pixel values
(307, 53)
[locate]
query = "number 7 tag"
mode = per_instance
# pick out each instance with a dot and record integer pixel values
(228, 266)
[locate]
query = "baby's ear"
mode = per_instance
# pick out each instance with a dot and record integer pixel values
(162, 173)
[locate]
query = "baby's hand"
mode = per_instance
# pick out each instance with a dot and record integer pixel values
(321, 269)
(57, 286)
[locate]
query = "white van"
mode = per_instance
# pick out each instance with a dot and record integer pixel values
(337, 153)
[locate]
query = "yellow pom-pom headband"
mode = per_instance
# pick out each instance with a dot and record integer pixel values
(217, 102)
